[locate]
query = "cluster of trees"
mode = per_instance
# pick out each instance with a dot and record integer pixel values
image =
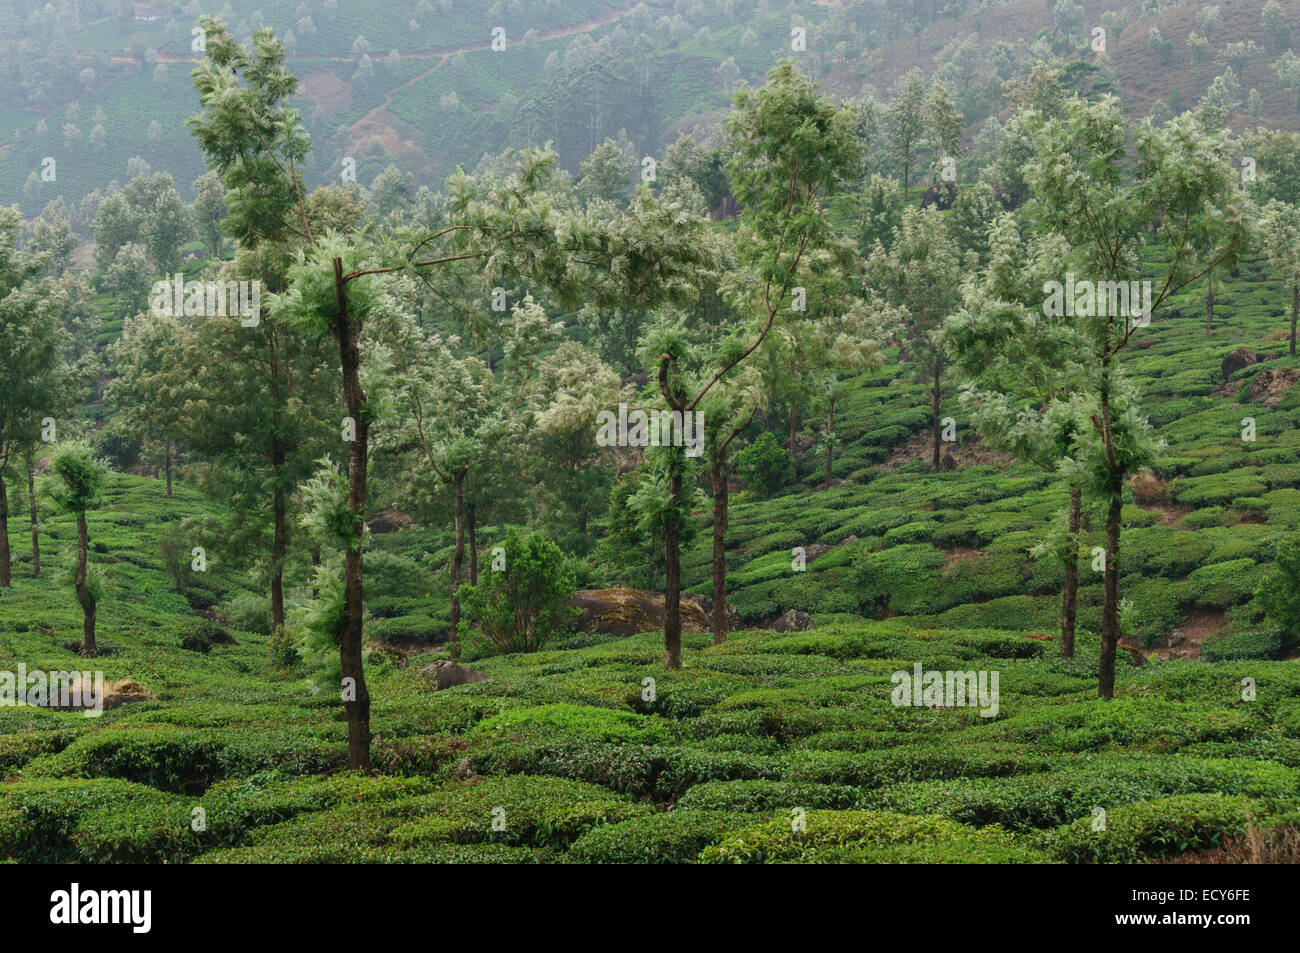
(420, 347)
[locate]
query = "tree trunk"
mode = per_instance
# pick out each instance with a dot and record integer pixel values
(718, 478)
(473, 547)
(1070, 595)
(1295, 309)
(315, 563)
(350, 633)
(88, 647)
(458, 482)
(1110, 601)
(673, 574)
(279, 544)
(936, 400)
(830, 436)
(1115, 491)
(5, 569)
(36, 529)
(1209, 301)
(167, 466)
(793, 421)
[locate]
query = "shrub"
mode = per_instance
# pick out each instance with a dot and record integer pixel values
(1224, 584)
(902, 578)
(673, 837)
(859, 836)
(765, 466)
(518, 608)
(1242, 646)
(249, 613)
(1279, 591)
(1161, 828)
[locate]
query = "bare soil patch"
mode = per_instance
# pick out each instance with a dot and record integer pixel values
(1185, 641)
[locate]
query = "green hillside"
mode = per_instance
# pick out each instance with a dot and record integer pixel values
(749, 731)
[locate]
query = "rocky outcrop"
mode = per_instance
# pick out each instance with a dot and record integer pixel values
(1236, 360)
(450, 674)
(117, 693)
(1269, 386)
(632, 611)
(793, 621)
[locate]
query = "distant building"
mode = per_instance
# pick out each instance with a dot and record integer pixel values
(146, 15)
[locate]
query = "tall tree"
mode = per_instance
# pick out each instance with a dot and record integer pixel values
(790, 150)
(81, 476)
(257, 141)
(1017, 364)
(905, 120)
(1281, 233)
(31, 345)
(920, 276)
(1084, 190)
(149, 392)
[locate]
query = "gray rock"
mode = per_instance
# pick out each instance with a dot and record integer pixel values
(1236, 360)
(793, 621)
(450, 674)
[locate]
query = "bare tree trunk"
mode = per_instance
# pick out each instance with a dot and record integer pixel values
(356, 696)
(279, 544)
(1110, 590)
(5, 567)
(458, 482)
(167, 466)
(1209, 301)
(830, 437)
(36, 529)
(1295, 309)
(1110, 602)
(1069, 597)
(718, 478)
(88, 647)
(936, 400)
(673, 574)
(473, 547)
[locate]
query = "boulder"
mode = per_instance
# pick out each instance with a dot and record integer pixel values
(813, 550)
(1269, 387)
(632, 611)
(793, 621)
(1237, 359)
(117, 693)
(733, 617)
(450, 674)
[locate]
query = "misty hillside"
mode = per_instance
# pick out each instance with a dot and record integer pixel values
(685, 432)
(421, 86)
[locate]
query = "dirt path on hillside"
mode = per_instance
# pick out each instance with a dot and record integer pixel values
(1186, 640)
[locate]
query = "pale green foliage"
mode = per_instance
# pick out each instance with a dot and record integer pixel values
(1280, 229)
(31, 342)
(326, 515)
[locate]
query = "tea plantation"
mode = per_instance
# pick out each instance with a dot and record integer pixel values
(771, 747)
